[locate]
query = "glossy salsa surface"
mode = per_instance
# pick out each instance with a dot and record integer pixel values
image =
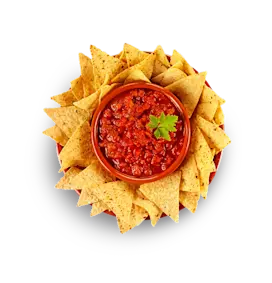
(126, 140)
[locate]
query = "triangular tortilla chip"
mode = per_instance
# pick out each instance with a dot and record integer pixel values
(189, 175)
(133, 55)
(165, 194)
(87, 74)
(64, 182)
(207, 110)
(135, 76)
(219, 116)
(77, 88)
(186, 67)
(213, 132)
(159, 68)
(86, 198)
(78, 150)
(65, 99)
(98, 207)
(57, 135)
(92, 176)
(146, 66)
(189, 90)
(67, 118)
(117, 196)
(208, 95)
(89, 103)
(204, 182)
(104, 64)
(201, 150)
(189, 200)
(160, 56)
(153, 211)
(137, 216)
(168, 77)
(105, 89)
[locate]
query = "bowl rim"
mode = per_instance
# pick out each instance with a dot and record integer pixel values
(95, 125)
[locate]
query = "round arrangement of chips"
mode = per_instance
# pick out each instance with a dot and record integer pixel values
(129, 202)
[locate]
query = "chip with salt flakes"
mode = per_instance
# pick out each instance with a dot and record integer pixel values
(78, 151)
(165, 194)
(136, 76)
(133, 55)
(65, 182)
(68, 119)
(65, 99)
(77, 88)
(176, 57)
(98, 207)
(219, 116)
(86, 198)
(189, 200)
(57, 135)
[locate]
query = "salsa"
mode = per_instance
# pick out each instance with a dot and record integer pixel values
(126, 140)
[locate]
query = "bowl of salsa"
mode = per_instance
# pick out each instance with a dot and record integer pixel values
(125, 143)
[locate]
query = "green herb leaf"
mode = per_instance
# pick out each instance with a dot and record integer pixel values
(157, 134)
(163, 125)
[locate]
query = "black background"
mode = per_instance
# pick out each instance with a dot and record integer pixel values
(221, 223)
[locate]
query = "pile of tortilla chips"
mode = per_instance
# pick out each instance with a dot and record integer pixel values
(132, 204)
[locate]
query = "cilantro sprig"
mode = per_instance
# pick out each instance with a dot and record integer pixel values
(163, 125)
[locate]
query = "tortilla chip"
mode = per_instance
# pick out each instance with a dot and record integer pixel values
(137, 216)
(64, 182)
(136, 75)
(165, 194)
(176, 57)
(219, 116)
(189, 200)
(87, 74)
(133, 55)
(213, 132)
(98, 207)
(161, 55)
(201, 150)
(146, 66)
(189, 175)
(204, 182)
(119, 55)
(104, 64)
(65, 99)
(92, 176)
(209, 95)
(86, 198)
(67, 118)
(168, 77)
(189, 90)
(159, 68)
(89, 103)
(78, 150)
(213, 151)
(57, 135)
(77, 88)
(207, 110)
(117, 196)
(153, 211)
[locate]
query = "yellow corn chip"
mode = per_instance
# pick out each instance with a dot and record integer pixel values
(189, 175)
(105, 89)
(160, 56)
(98, 207)
(137, 216)
(168, 77)
(219, 116)
(87, 74)
(65, 99)
(67, 118)
(189, 200)
(189, 90)
(133, 55)
(57, 135)
(204, 182)
(213, 132)
(77, 88)
(207, 110)
(146, 66)
(117, 196)
(86, 198)
(78, 150)
(136, 75)
(165, 194)
(201, 151)
(64, 182)
(209, 95)
(104, 64)
(89, 103)
(186, 67)
(153, 211)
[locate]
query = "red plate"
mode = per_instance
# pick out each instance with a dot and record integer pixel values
(217, 160)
